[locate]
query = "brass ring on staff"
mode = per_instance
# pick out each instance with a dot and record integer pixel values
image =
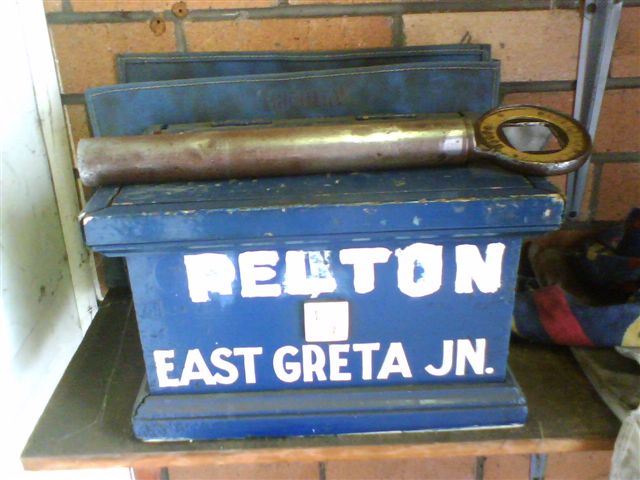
(574, 141)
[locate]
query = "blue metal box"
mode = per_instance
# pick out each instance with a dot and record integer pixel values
(324, 304)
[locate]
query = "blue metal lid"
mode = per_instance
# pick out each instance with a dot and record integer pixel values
(431, 202)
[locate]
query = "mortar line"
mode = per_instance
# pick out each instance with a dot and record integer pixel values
(616, 157)
(563, 85)
(595, 191)
(284, 10)
(479, 470)
(397, 31)
(181, 38)
(322, 471)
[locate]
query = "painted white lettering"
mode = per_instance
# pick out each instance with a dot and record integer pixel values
(256, 267)
(163, 367)
(470, 266)
(313, 361)
(287, 372)
(364, 261)
(318, 279)
(466, 352)
(336, 362)
(425, 257)
(249, 356)
(209, 273)
(195, 368)
(367, 350)
(218, 360)
(447, 360)
(394, 362)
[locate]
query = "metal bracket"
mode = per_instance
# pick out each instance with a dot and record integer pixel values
(600, 21)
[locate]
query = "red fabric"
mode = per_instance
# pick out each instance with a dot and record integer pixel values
(558, 319)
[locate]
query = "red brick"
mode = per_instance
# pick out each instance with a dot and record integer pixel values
(512, 467)
(619, 190)
(289, 34)
(425, 469)
(619, 126)
(346, 2)
(560, 181)
(52, 5)
(561, 101)
(578, 466)
(161, 5)
(78, 124)
(626, 54)
(533, 45)
(86, 52)
(147, 474)
(273, 471)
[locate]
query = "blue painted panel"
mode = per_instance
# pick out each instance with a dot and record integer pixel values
(171, 66)
(157, 226)
(129, 109)
(329, 412)
(170, 319)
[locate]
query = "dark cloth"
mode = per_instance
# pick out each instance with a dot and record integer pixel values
(611, 263)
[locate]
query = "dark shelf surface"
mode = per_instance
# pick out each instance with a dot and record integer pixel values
(87, 421)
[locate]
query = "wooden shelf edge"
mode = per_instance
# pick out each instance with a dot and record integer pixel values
(323, 454)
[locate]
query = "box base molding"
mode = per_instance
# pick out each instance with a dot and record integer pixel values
(179, 417)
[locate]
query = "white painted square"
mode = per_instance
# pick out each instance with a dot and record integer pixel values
(326, 321)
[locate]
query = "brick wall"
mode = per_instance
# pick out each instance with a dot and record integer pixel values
(537, 42)
(560, 466)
